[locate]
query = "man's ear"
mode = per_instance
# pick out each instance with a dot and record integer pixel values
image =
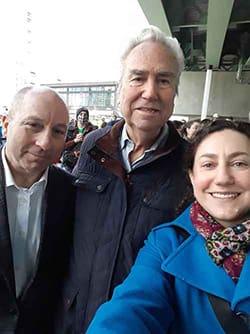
(5, 124)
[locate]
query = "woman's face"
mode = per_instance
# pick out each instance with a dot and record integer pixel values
(194, 128)
(221, 176)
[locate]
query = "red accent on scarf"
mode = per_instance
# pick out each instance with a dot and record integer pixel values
(226, 246)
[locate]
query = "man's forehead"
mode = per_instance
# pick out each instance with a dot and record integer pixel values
(144, 52)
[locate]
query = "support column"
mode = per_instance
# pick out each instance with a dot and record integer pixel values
(206, 92)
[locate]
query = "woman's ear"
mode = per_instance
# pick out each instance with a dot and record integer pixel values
(191, 177)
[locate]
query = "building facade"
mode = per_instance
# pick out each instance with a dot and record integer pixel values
(99, 97)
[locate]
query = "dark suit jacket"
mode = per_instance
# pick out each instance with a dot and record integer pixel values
(33, 312)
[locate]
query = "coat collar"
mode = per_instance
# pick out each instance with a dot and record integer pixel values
(107, 152)
(191, 263)
(6, 260)
(110, 142)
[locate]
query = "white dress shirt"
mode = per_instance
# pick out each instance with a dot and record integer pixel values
(25, 213)
(127, 146)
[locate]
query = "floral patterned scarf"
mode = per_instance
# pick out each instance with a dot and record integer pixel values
(226, 246)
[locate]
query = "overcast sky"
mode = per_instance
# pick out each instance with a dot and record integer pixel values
(81, 40)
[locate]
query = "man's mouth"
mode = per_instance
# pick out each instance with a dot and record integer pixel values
(38, 156)
(149, 110)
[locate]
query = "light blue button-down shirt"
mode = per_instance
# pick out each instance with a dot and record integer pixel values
(127, 146)
(24, 208)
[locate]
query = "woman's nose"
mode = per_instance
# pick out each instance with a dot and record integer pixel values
(224, 175)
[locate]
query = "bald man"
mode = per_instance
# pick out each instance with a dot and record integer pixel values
(36, 212)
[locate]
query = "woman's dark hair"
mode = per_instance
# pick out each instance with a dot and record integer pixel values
(188, 125)
(213, 126)
(204, 132)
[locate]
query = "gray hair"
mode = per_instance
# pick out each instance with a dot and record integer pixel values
(154, 34)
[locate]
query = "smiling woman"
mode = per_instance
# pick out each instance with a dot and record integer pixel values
(220, 173)
(200, 260)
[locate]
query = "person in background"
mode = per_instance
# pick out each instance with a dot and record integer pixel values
(36, 210)
(113, 120)
(190, 129)
(74, 139)
(1, 133)
(103, 123)
(192, 275)
(179, 126)
(205, 121)
(2, 130)
(129, 177)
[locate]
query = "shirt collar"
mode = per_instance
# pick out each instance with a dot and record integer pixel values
(163, 137)
(9, 180)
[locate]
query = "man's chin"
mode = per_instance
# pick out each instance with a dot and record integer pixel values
(36, 166)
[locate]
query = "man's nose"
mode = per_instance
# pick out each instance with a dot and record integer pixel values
(44, 140)
(150, 90)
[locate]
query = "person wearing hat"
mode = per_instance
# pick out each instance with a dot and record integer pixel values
(75, 136)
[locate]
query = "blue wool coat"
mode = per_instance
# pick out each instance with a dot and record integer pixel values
(166, 291)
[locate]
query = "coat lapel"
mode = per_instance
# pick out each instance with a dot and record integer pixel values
(51, 213)
(191, 263)
(241, 299)
(6, 260)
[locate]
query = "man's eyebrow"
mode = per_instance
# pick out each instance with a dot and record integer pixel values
(32, 118)
(137, 72)
(159, 73)
(166, 74)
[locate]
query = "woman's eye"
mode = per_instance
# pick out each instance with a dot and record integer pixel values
(207, 165)
(240, 164)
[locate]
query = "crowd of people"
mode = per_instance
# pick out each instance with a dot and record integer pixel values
(141, 225)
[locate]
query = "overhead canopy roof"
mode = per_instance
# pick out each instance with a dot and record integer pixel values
(213, 33)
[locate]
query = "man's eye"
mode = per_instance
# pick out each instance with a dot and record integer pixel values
(33, 125)
(164, 82)
(136, 79)
(59, 132)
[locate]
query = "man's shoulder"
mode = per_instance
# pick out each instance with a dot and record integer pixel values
(59, 175)
(94, 135)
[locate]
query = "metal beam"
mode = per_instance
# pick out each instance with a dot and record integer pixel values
(206, 93)
(155, 14)
(218, 17)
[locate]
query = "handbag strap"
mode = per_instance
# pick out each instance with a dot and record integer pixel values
(230, 322)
